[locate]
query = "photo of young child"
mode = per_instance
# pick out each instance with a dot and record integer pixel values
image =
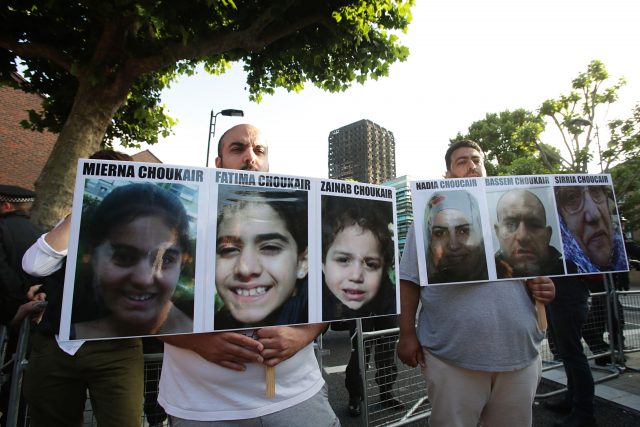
(357, 258)
(261, 258)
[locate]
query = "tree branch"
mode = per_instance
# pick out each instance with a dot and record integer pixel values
(564, 138)
(250, 39)
(38, 50)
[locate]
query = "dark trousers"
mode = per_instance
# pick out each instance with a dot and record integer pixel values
(153, 412)
(56, 383)
(384, 357)
(567, 315)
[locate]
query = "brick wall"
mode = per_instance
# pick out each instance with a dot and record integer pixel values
(23, 153)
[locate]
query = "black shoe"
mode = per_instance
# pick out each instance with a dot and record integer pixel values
(354, 407)
(576, 419)
(387, 401)
(602, 360)
(559, 406)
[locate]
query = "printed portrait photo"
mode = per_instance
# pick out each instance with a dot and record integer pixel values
(526, 239)
(591, 234)
(358, 259)
(135, 265)
(261, 260)
(454, 242)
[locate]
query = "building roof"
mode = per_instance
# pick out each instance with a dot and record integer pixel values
(146, 156)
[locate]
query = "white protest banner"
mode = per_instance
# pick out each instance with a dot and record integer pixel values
(158, 249)
(492, 228)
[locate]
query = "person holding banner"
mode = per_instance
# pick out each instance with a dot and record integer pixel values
(524, 237)
(568, 314)
(455, 245)
(219, 378)
(477, 343)
(132, 251)
(357, 257)
(590, 240)
(60, 374)
(261, 258)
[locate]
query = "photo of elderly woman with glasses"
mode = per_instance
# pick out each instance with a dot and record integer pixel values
(591, 235)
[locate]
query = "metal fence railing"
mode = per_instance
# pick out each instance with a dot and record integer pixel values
(409, 386)
(630, 303)
(613, 330)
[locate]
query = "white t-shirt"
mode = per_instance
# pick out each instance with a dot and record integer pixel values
(196, 389)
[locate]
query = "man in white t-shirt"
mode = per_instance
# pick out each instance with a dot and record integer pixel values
(218, 379)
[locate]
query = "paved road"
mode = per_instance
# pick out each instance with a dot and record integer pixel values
(608, 414)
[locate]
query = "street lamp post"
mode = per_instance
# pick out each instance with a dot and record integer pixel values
(212, 125)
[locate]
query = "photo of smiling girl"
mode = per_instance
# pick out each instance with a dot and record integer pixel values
(133, 248)
(261, 258)
(357, 258)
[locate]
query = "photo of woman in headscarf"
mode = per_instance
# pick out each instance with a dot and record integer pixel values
(454, 240)
(591, 236)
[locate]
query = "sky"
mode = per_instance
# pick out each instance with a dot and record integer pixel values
(467, 58)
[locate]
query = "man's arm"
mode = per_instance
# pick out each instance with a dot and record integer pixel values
(409, 348)
(541, 289)
(58, 238)
(228, 349)
(34, 308)
(47, 254)
(282, 342)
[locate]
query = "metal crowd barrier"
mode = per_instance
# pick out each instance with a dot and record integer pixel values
(611, 330)
(630, 302)
(409, 388)
(16, 364)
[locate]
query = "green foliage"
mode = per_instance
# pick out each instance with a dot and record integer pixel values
(627, 186)
(624, 147)
(575, 114)
(102, 65)
(145, 45)
(576, 117)
(624, 143)
(510, 141)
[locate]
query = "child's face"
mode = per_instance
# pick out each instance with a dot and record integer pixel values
(137, 269)
(353, 267)
(257, 262)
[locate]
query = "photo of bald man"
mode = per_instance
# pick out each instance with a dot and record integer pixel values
(524, 237)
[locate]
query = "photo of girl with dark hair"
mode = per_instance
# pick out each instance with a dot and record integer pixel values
(357, 258)
(133, 246)
(261, 258)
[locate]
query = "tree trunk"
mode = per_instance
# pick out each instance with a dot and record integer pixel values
(81, 136)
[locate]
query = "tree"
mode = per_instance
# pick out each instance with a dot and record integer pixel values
(624, 147)
(575, 115)
(510, 141)
(101, 64)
